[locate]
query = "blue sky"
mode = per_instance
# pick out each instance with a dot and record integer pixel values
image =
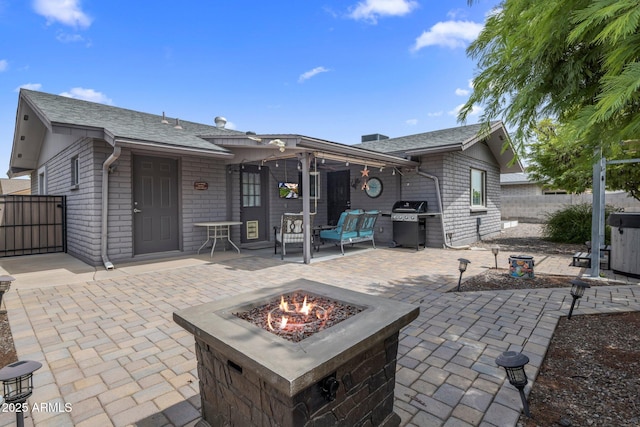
(334, 70)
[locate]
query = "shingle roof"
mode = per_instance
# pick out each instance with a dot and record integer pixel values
(515, 178)
(454, 137)
(123, 123)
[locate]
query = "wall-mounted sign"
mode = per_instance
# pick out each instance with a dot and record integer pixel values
(200, 185)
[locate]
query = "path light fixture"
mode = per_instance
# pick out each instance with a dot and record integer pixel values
(513, 363)
(577, 291)
(5, 284)
(494, 250)
(462, 267)
(17, 380)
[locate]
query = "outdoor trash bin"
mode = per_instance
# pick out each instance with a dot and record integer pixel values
(521, 266)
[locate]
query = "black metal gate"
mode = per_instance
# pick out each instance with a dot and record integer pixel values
(32, 225)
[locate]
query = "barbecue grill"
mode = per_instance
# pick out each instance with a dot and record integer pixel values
(409, 223)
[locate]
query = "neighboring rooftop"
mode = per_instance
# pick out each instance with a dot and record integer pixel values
(15, 186)
(515, 178)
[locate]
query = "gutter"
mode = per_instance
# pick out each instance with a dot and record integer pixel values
(444, 234)
(105, 205)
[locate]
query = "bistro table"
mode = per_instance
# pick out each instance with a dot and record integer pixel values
(218, 229)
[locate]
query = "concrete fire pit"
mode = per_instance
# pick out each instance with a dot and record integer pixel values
(344, 374)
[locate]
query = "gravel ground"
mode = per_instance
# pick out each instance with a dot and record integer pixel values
(591, 373)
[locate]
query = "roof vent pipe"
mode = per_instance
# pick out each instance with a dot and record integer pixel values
(220, 122)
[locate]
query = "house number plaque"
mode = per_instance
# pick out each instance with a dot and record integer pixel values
(200, 185)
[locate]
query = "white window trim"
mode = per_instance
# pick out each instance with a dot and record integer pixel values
(483, 206)
(42, 181)
(75, 172)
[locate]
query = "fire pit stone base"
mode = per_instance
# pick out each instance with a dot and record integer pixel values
(232, 396)
(343, 375)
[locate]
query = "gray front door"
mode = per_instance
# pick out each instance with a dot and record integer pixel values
(155, 204)
(254, 202)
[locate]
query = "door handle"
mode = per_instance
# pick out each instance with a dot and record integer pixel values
(136, 210)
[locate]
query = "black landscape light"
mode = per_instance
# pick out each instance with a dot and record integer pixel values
(5, 284)
(577, 291)
(494, 250)
(462, 267)
(513, 363)
(17, 380)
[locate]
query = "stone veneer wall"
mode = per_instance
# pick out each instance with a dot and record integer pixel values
(232, 396)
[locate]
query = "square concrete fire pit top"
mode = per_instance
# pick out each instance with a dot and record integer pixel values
(289, 366)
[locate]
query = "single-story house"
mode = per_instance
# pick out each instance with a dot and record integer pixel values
(520, 184)
(136, 183)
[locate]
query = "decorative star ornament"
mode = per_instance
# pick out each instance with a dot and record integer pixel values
(365, 172)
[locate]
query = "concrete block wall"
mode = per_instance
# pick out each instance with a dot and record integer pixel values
(535, 209)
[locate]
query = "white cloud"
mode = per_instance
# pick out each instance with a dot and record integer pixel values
(4, 64)
(87, 95)
(452, 34)
(67, 12)
(371, 10)
(68, 38)
(434, 114)
(462, 92)
(412, 122)
(307, 75)
(475, 110)
(30, 86)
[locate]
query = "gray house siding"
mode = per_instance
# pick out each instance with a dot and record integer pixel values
(83, 203)
(453, 170)
(461, 222)
(202, 205)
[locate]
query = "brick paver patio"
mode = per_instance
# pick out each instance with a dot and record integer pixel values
(111, 349)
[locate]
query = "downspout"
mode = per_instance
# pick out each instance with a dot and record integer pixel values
(437, 184)
(105, 205)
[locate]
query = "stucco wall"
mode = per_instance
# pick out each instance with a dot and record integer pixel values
(521, 190)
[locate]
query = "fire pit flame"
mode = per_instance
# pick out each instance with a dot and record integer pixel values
(299, 316)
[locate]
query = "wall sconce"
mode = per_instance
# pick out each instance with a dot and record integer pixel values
(577, 291)
(513, 363)
(5, 284)
(462, 267)
(17, 379)
(494, 250)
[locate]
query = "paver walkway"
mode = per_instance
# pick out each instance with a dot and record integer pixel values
(111, 350)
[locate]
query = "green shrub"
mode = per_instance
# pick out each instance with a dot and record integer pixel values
(573, 224)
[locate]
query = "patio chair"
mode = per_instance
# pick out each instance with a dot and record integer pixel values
(291, 231)
(347, 232)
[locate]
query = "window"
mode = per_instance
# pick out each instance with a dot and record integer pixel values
(250, 189)
(478, 188)
(75, 171)
(314, 185)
